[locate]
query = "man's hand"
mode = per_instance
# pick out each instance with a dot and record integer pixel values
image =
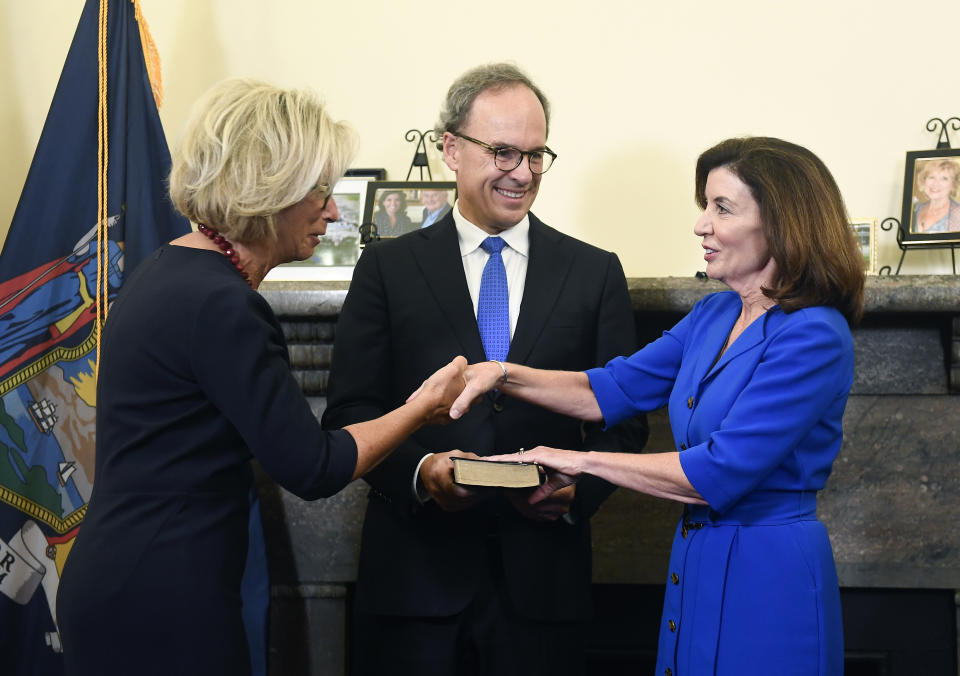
(436, 473)
(550, 508)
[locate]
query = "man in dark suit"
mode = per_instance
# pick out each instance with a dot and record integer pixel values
(455, 580)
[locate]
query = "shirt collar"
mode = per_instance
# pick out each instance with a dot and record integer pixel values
(471, 236)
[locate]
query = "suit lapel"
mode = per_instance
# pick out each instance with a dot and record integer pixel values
(437, 253)
(547, 268)
(717, 332)
(752, 336)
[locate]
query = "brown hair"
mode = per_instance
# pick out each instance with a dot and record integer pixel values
(804, 222)
(462, 93)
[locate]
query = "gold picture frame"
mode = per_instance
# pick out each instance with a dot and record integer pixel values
(865, 232)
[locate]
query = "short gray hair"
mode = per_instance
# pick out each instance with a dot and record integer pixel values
(250, 150)
(470, 85)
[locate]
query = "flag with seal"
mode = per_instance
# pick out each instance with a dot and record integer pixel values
(94, 204)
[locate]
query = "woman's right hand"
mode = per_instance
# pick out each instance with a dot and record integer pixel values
(440, 390)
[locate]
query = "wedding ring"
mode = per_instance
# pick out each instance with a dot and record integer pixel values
(521, 451)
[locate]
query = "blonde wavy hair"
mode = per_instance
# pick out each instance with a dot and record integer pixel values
(250, 150)
(930, 166)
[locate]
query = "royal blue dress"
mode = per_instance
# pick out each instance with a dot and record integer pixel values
(752, 587)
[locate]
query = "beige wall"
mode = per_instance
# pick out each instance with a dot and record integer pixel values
(638, 88)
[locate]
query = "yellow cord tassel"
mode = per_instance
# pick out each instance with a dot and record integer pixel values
(103, 153)
(152, 61)
(150, 54)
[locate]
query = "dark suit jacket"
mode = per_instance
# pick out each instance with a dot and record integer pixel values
(407, 313)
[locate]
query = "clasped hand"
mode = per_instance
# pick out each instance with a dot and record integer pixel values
(442, 389)
(467, 383)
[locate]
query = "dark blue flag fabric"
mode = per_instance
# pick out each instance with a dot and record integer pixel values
(49, 279)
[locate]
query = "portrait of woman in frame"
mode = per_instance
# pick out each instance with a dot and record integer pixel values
(931, 201)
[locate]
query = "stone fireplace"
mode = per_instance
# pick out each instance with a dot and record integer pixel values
(891, 504)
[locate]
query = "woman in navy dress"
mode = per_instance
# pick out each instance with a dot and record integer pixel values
(195, 381)
(756, 379)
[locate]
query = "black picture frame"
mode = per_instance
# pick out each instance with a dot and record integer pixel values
(376, 223)
(373, 174)
(920, 164)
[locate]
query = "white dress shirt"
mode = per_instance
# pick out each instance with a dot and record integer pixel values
(515, 256)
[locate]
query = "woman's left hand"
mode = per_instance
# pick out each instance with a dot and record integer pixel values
(563, 468)
(479, 379)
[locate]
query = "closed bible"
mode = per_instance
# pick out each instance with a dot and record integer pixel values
(472, 472)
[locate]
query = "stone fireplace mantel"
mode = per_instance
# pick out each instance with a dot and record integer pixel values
(891, 504)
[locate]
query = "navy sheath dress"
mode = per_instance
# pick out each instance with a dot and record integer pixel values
(194, 381)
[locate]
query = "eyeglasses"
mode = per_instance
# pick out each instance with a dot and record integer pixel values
(508, 158)
(322, 190)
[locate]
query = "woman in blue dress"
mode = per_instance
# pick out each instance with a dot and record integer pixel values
(756, 379)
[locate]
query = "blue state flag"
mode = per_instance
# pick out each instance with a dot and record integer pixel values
(49, 281)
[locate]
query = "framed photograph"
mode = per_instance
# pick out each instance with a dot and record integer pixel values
(865, 232)
(339, 249)
(931, 197)
(395, 208)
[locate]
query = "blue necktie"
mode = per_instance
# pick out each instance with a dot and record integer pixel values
(493, 307)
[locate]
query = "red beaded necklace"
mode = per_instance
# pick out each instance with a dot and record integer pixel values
(226, 247)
